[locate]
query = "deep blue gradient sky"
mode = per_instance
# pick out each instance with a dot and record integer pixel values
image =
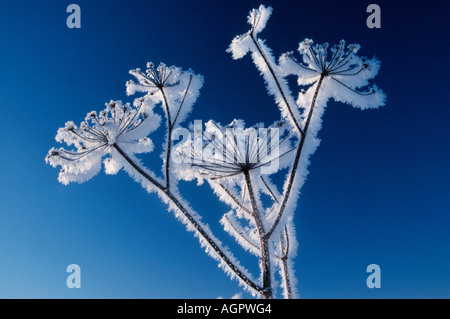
(378, 188)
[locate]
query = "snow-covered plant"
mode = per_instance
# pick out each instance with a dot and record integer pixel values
(118, 127)
(237, 162)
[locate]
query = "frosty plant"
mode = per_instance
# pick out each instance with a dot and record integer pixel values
(236, 161)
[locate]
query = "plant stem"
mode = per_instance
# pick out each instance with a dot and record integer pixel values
(284, 267)
(265, 254)
(192, 221)
(277, 83)
(302, 134)
(169, 137)
(297, 158)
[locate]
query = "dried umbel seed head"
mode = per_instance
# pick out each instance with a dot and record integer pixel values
(119, 125)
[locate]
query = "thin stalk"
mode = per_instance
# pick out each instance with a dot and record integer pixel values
(236, 201)
(284, 267)
(241, 235)
(268, 188)
(297, 158)
(182, 102)
(277, 83)
(265, 254)
(169, 137)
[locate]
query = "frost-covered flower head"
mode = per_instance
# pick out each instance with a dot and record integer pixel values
(257, 19)
(176, 89)
(343, 72)
(224, 153)
(153, 79)
(118, 125)
(343, 60)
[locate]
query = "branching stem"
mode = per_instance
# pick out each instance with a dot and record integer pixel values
(297, 158)
(303, 134)
(192, 221)
(265, 254)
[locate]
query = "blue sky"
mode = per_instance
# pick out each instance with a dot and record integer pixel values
(378, 188)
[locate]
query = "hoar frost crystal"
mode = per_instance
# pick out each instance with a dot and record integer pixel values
(237, 162)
